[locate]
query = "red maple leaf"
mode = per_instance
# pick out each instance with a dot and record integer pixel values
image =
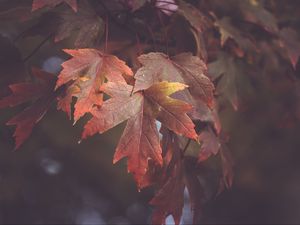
(84, 74)
(37, 4)
(140, 140)
(41, 93)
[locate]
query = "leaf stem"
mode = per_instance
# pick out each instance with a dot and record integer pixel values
(186, 147)
(164, 31)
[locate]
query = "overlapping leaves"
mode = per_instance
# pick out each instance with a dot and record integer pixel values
(140, 140)
(164, 89)
(175, 91)
(40, 93)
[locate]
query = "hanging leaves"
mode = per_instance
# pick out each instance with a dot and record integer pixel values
(169, 198)
(140, 140)
(161, 84)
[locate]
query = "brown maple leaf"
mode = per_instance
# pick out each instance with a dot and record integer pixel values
(37, 4)
(199, 23)
(140, 140)
(229, 31)
(210, 144)
(254, 12)
(196, 181)
(86, 25)
(85, 72)
(179, 173)
(230, 71)
(169, 199)
(196, 18)
(41, 93)
(183, 68)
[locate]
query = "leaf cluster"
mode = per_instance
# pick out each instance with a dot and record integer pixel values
(167, 68)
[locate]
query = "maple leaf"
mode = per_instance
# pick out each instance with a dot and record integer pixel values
(195, 188)
(179, 173)
(290, 41)
(254, 12)
(169, 199)
(43, 96)
(226, 66)
(67, 24)
(140, 140)
(37, 4)
(206, 114)
(183, 68)
(198, 22)
(171, 112)
(210, 144)
(228, 31)
(195, 17)
(86, 21)
(86, 72)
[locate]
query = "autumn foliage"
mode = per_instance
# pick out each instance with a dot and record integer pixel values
(164, 67)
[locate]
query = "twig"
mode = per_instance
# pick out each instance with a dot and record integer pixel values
(37, 48)
(164, 31)
(106, 33)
